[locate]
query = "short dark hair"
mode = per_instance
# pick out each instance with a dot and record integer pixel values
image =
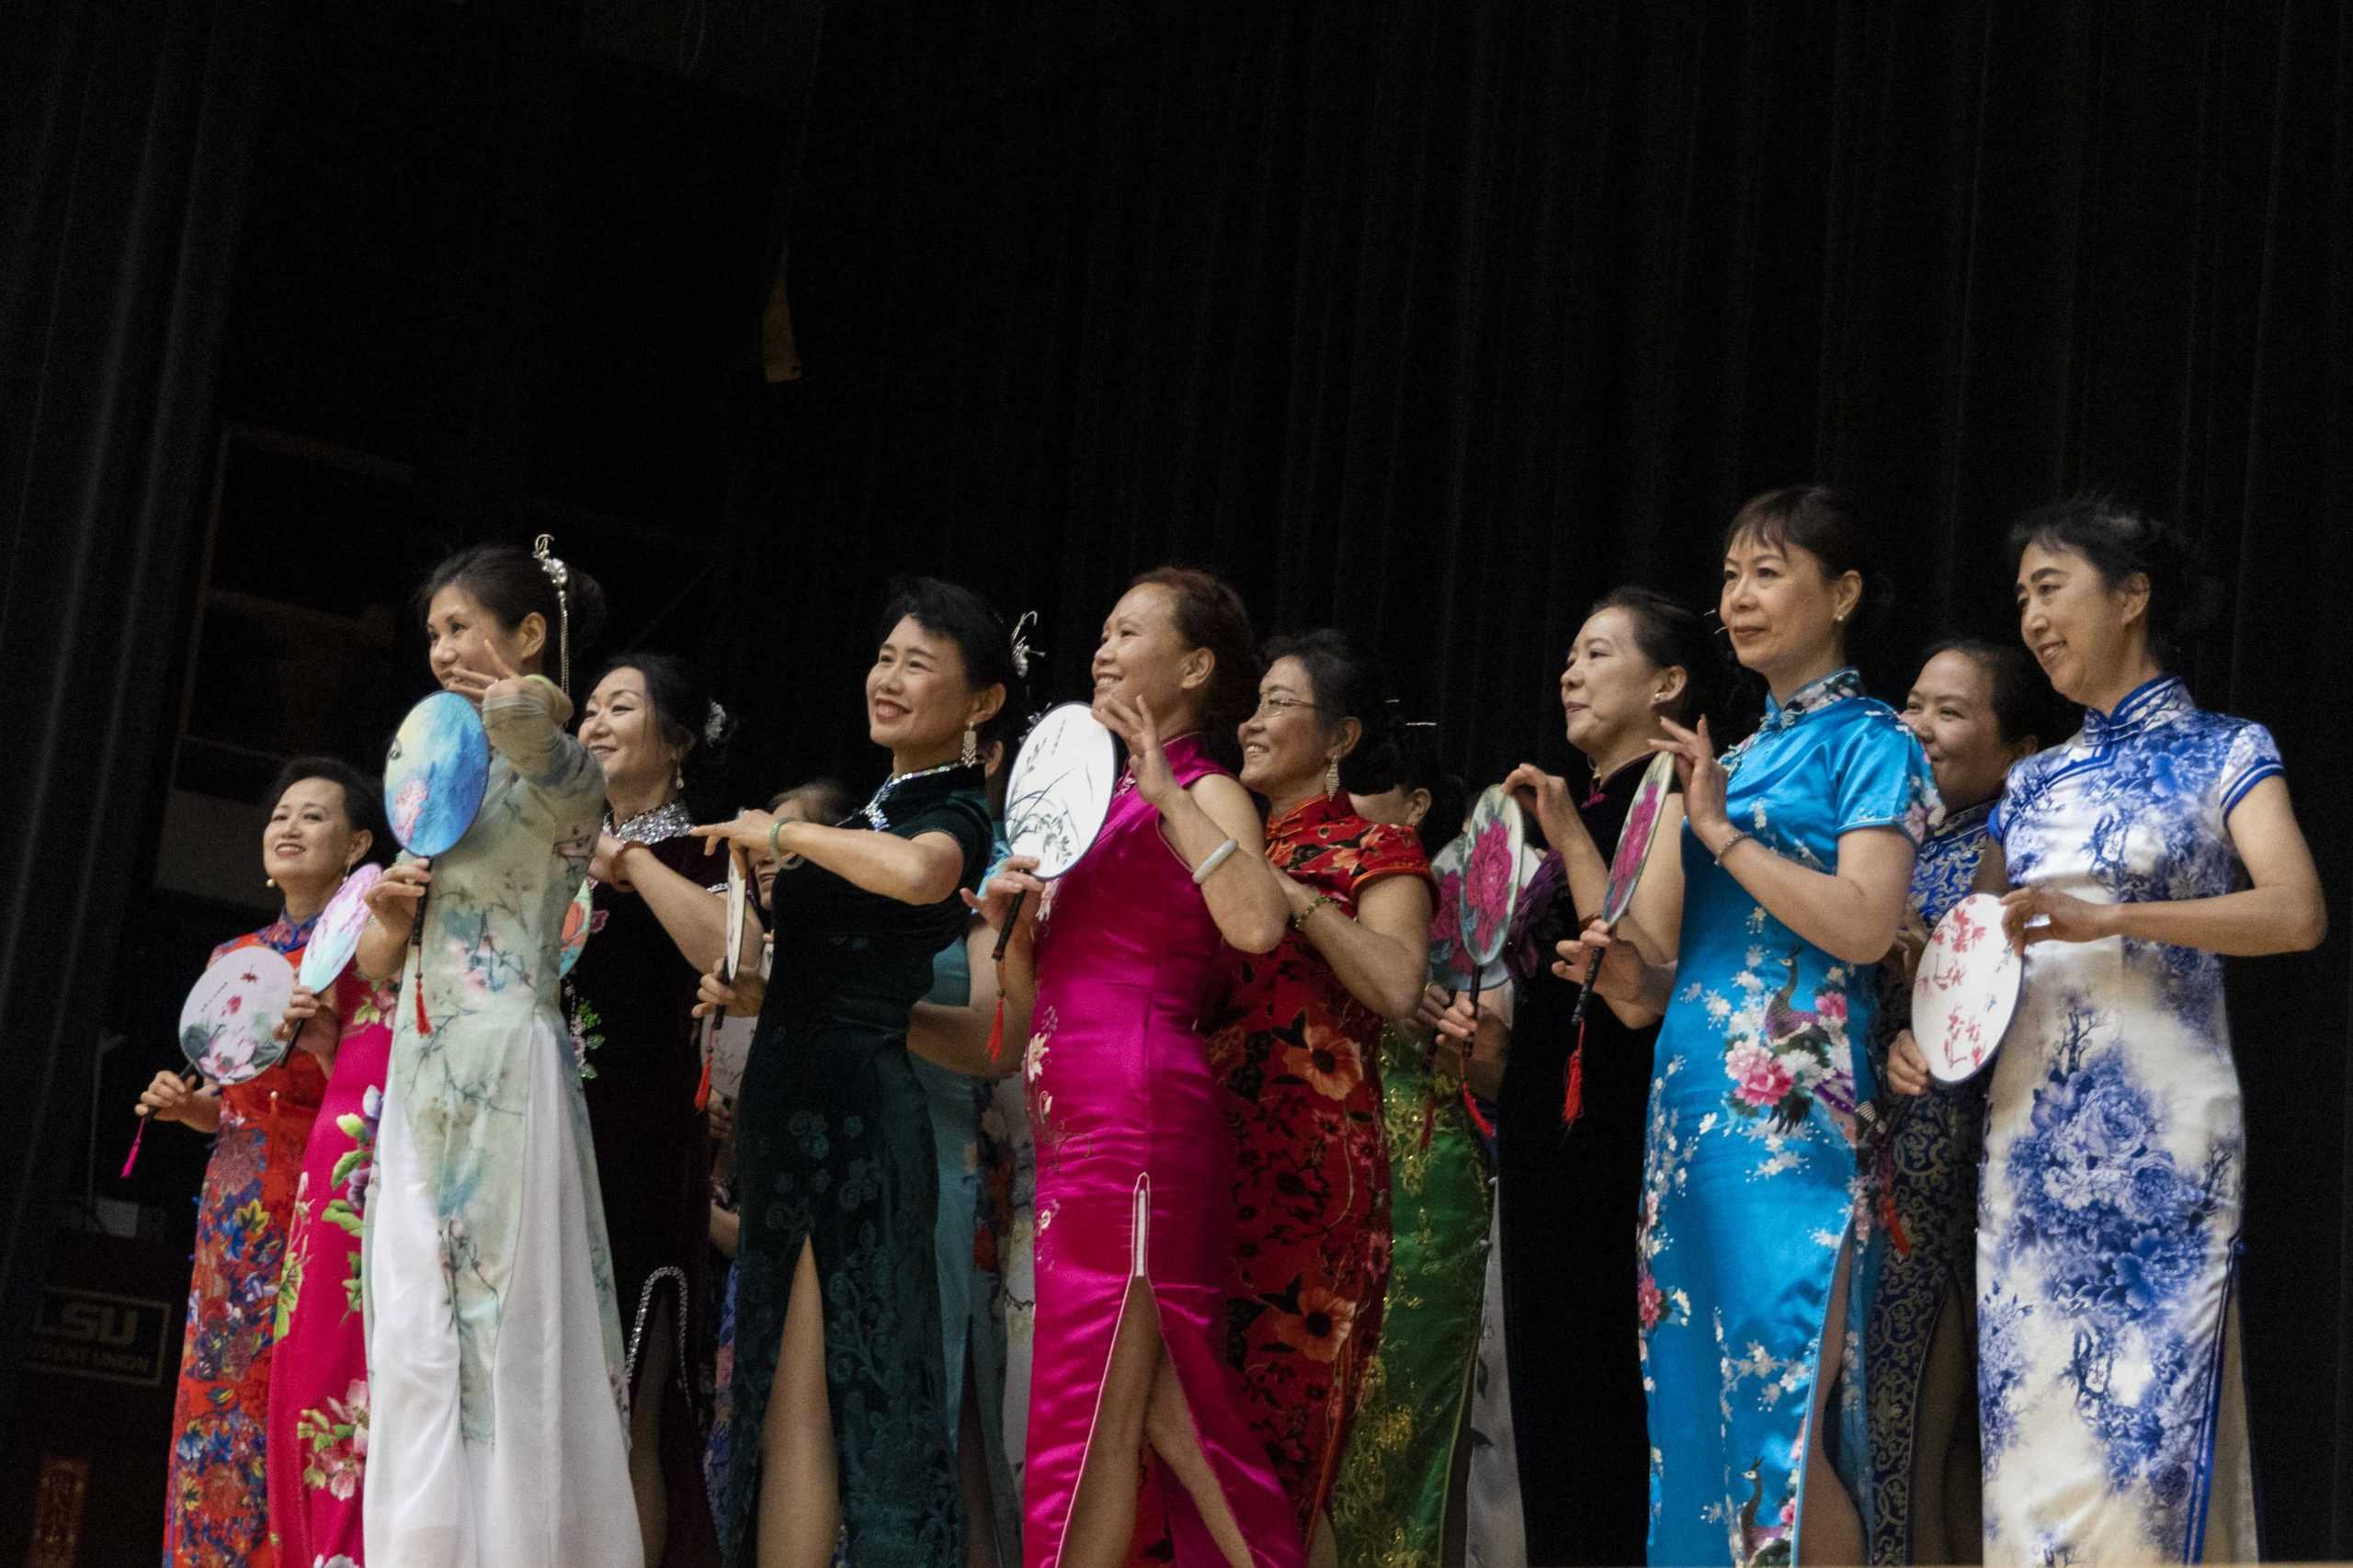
(1210, 614)
(956, 612)
(828, 800)
(1671, 637)
(1348, 684)
(363, 797)
(2122, 542)
(2022, 708)
(1820, 520)
(1413, 759)
(508, 581)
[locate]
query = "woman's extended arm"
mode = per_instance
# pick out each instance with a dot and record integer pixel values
(2283, 912)
(918, 871)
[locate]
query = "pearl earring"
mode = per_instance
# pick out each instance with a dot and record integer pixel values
(269, 882)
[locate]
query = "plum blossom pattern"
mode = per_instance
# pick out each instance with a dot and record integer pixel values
(2109, 1220)
(1298, 1056)
(216, 1501)
(1749, 1169)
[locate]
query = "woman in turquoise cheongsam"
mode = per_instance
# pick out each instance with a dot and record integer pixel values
(1797, 853)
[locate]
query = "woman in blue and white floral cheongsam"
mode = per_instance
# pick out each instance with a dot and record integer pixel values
(1796, 854)
(2108, 1216)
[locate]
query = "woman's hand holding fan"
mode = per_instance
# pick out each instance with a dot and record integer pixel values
(1907, 1065)
(177, 1096)
(293, 1028)
(1621, 969)
(740, 998)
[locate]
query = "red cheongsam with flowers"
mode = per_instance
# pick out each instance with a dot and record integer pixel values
(217, 1506)
(1299, 1058)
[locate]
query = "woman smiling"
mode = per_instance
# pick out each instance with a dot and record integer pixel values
(2157, 840)
(654, 925)
(839, 1409)
(1797, 850)
(1296, 1046)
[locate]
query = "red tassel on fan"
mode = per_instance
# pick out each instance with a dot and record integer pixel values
(702, 1090)
(424, 1024)
(996, 1030)
(1486, 1129)
(1888, 1217)
(1573, 1089)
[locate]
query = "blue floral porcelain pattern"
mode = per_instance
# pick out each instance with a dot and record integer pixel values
(2109, 1217)
(1750, 1167)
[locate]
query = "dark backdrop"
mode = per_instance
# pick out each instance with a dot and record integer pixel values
(1434, 319)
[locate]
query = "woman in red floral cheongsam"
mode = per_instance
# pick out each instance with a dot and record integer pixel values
(1297, 1050)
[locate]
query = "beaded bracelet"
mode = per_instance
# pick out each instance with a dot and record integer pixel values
(1298, 921)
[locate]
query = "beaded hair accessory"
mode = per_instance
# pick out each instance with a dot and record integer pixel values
(561, 576)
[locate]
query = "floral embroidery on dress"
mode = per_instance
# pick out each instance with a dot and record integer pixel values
(1297, 1054)
(1760, 1044)
(337, 1436)
(2109, 1220)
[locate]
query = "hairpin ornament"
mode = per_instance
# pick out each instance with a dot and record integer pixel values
(1022, 651)
(715, 724)
(561, 576)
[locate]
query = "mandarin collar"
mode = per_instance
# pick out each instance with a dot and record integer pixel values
(2151, 702)
(1812, 698)
(921, 788)
(285, 935)
(1308, 816)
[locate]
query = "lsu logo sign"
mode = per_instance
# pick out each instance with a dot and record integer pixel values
(109, 1338)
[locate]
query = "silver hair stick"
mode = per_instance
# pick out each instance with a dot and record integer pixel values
(561, 574)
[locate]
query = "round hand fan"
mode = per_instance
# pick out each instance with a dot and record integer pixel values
(336, 936)
(435, 774)
(228, 1023)
(1965, 989)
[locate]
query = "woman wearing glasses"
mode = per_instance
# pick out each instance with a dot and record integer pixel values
(1297, 1051)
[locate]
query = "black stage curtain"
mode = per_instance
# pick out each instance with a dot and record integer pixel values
(1437, 319)
(122, 171)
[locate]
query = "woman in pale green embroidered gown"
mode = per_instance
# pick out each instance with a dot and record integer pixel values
(1391, 1501)
(497, 1395)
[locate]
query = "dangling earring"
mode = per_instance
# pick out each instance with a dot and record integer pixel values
(1331, 779)
(678, 774)
(972, 753)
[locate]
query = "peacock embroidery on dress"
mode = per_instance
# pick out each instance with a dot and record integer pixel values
(1751, 1182)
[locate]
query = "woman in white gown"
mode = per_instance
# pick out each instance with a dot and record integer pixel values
(498, 1394)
